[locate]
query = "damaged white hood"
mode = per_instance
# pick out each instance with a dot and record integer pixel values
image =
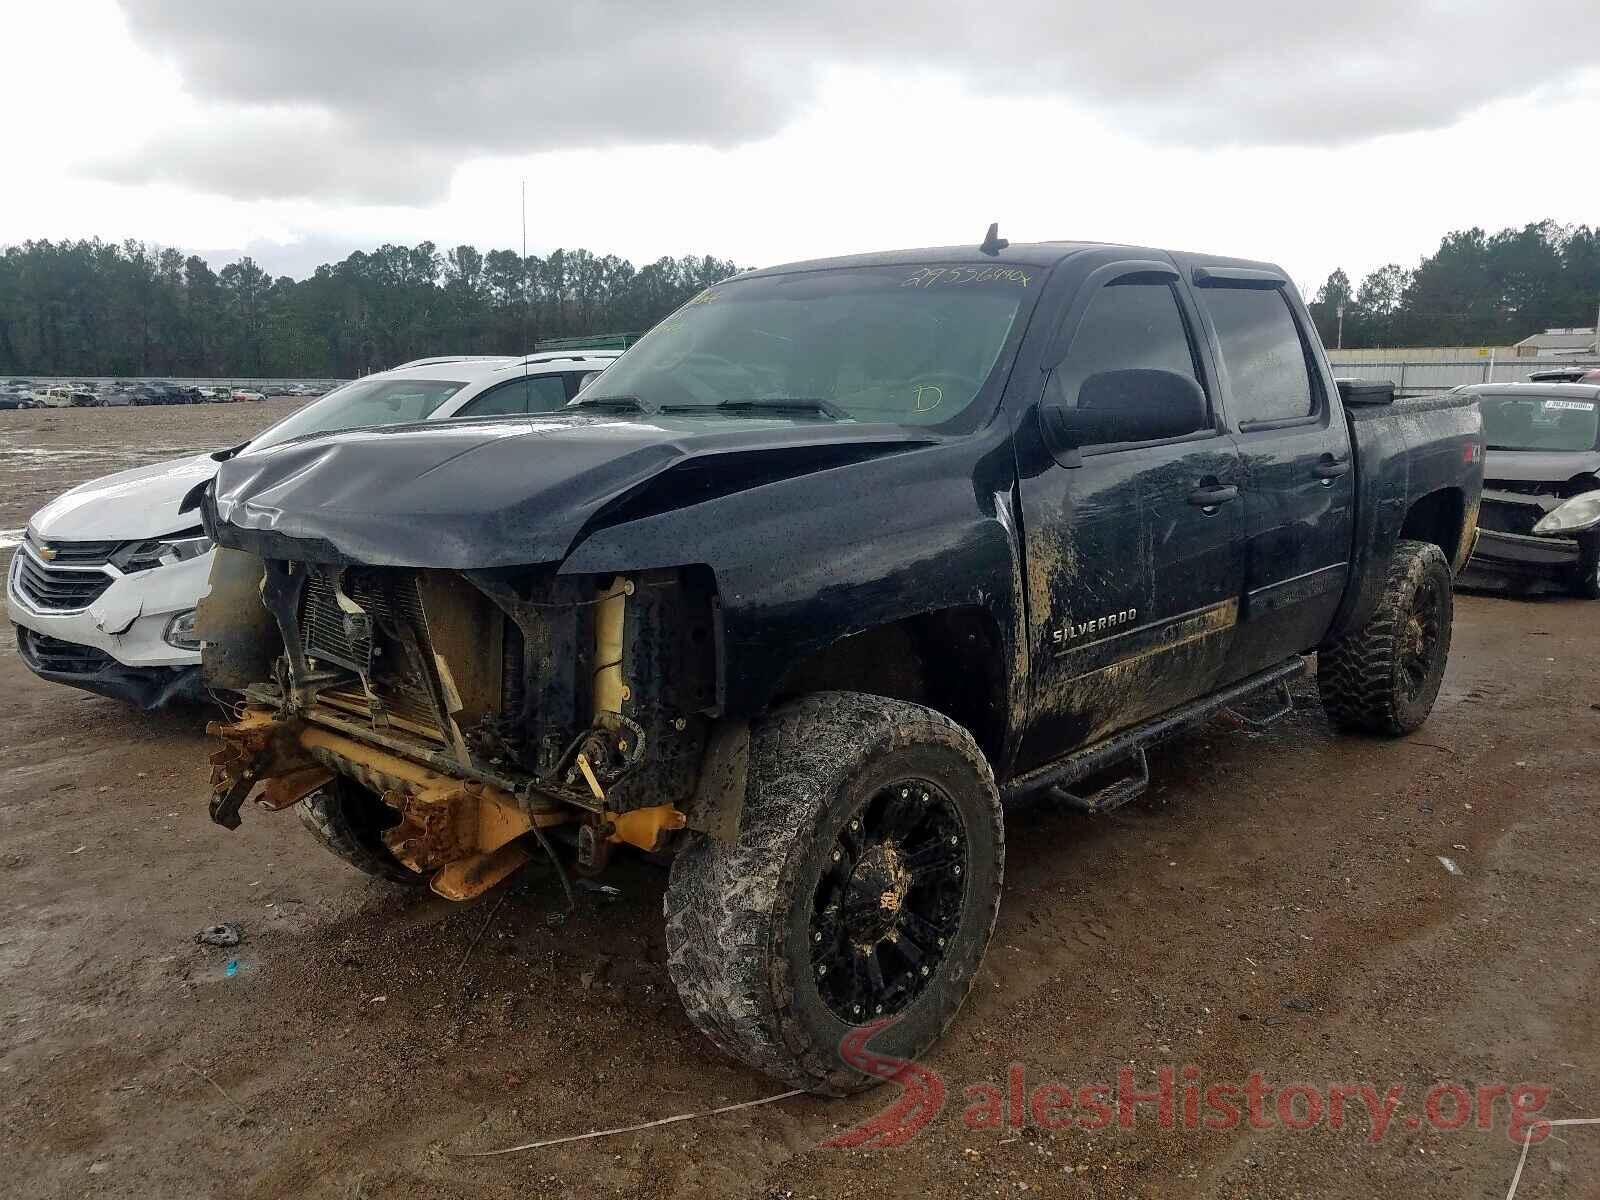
(128, 506)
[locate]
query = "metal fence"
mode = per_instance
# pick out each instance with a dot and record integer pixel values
(1441, 376)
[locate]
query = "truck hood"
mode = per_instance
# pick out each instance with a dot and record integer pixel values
(125, 507)
(478, 494)
(1540, 466)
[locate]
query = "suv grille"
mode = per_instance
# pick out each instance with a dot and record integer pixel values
(82, 554)
(51, 588)
(1500, 517)
(52, 654)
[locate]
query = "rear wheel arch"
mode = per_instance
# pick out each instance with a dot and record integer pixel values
(1439, 518)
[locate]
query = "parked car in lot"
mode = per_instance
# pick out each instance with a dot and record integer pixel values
(1566, 375)
(173, 393)
(1540, 517)
(104, 586)
(829, 562)
(247, 394)
(18, 393)
(71, 395)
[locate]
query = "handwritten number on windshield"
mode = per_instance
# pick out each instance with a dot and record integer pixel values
(943, 276)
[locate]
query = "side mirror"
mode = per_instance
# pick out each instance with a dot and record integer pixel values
(1135, 405)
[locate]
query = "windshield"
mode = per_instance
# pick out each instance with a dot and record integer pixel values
(362, 404)
(904, 344)
(1539, 423)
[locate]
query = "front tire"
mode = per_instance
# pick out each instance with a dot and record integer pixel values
(349, 822)
(864, 885)
(1385, 677)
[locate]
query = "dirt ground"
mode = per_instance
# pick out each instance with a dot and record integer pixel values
(1277, 904)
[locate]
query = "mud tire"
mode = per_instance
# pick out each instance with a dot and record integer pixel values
(349, 822)
(738, 914)
(1363, 677)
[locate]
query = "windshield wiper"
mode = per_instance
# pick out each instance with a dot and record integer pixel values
(624, 403)
(809, 404)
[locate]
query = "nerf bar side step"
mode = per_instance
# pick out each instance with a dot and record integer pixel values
(1071, 768)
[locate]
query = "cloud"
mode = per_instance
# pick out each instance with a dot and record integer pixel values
(366, 101)
(283, 153)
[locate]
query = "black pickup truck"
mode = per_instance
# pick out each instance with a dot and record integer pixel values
(835, 560)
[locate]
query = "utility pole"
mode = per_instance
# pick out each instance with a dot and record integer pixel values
(1340, 311)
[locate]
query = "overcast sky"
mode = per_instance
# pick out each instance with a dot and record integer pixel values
(764, 130)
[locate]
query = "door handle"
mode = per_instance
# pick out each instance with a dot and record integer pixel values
(1209, 497)
(1330, 468)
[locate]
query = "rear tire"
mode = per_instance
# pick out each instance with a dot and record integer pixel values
(1384, 677)
(870, 844)
(349, 822)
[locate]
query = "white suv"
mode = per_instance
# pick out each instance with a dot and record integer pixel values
(103, 588)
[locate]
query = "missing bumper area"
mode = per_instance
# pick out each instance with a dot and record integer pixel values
(466, 835)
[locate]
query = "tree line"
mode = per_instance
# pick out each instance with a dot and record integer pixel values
(1477, 289)
(96, 308)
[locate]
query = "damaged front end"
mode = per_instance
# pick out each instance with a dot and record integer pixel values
(1532, 529)
(482, 707)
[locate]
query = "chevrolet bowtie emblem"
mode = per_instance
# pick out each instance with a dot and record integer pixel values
(47, 553)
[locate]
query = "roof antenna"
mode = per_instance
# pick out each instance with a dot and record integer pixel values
(527, 343)
(993, 243)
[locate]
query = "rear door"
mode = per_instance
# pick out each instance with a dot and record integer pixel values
(1132, 550)
(1298, 477)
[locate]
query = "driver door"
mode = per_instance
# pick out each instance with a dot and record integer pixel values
(1133, 559)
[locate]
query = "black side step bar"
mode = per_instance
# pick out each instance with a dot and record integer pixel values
(1132, 743)
(1267, 720)
(1114, 794)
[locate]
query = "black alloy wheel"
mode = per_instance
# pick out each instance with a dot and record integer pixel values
(890, 903)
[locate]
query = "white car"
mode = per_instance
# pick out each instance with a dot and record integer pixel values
(103, 588)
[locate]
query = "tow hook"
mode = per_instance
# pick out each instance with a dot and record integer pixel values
(257, 747)
(236, 767)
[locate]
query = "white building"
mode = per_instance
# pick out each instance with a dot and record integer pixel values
(1558, 343)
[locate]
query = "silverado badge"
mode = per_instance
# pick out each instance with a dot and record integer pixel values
(1073, 630)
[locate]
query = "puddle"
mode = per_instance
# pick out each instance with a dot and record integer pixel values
(100, 460)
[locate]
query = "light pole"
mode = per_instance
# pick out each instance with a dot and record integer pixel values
(1340, 311)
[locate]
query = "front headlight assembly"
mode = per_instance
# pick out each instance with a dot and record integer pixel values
(162, 552)
(1578, 515)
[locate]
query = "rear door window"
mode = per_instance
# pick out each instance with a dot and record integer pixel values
(1263, 354)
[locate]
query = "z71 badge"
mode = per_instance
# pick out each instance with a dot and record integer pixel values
(1072, 630)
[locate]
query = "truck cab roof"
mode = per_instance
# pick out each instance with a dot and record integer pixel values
(1041, 255)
